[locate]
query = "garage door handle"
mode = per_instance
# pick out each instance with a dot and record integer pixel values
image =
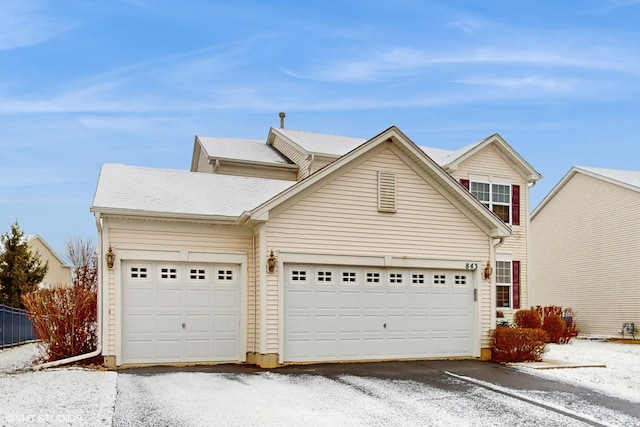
(183, 325)
(384, 326)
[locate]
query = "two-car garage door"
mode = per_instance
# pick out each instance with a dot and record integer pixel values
(180, 312)
(337, 313)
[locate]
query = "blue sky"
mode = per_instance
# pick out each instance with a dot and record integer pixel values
(84, 83)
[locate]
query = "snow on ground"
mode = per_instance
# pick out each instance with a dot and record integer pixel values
(620, 378)
(84, 397)
(60, 397)
(198, 399)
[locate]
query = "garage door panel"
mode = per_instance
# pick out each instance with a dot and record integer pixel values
(226, 324)
(224, 298)
(179, 312)
(422, 310)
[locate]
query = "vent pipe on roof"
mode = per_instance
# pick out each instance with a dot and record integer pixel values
(282, 116)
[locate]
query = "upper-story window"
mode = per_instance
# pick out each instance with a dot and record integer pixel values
(502, 199)
(497, 197)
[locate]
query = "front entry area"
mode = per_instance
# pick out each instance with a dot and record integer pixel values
(180, 312)
(342, 313)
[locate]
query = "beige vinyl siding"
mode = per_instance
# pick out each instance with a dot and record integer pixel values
(489, 162)
(203, 162)
(173, 236)
(293, 154)
(585, 247)
(58, 274)
(342, 218)
(248, 169)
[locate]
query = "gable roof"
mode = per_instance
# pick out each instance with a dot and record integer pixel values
(242, 150)
(335, 146)
(623, 178)
(452, 189)
(32, 237)
(140, 191)
(319, 143)
(453, 160)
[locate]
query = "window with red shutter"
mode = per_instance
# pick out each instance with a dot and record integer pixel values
(516, 284)
(515, 205)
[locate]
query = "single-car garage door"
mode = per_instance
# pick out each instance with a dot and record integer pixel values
(179, 312)
(352, 313)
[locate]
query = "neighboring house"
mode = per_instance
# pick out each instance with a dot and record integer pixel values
(59, 272)
(312, 248)
(585, 249)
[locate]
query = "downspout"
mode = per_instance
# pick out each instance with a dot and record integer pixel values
(98, 349)
(492, 280)
(255, 292)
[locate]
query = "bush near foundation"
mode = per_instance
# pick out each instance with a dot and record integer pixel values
(558, 322)
(529, 319)
(517, 344)
(64, 320)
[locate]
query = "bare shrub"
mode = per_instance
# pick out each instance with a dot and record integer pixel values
(517, 344)
(528, 319)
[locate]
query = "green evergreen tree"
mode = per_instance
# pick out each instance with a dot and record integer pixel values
(20, 270)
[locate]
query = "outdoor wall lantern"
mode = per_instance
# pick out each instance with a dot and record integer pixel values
(272, 261)
(487, 271)
(110, 257)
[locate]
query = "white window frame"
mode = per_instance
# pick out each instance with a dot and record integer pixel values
(501, 281)
(491, 203)
(424, 278)
(458, 279)
(356, 280)
(440, 276)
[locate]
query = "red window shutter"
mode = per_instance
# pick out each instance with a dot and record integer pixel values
(465, 183)
(516, 284)
(515, 205)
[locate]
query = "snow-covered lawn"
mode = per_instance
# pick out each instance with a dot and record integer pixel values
(620, 378)
(84, 397)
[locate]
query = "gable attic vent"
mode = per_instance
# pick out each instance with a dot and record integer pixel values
(386, 192)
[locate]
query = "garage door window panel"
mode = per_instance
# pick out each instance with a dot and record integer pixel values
(325, 277)
(439, 280)
(168, 274)
(418, 279)
(299, 276)
(373, 278)
(198, 274)
(225, 275)
(396, 278)
(349, 277)
(139, 273)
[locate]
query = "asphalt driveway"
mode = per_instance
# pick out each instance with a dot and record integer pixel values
(420, 393)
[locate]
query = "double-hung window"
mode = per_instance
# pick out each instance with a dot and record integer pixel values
(500, 198)
(496, 197)
(507, 284)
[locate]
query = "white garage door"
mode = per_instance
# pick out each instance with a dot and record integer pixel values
(180, 313)
(349, 313)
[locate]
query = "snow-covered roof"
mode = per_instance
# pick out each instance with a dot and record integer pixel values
(253, 150)
(624, 177)
(131, 189)
(322, 143)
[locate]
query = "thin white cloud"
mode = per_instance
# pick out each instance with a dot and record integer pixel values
(523, 83)
(25, 23)
(402, 61)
